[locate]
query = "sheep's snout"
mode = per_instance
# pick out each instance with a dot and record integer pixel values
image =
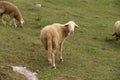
(72, 31)
(21, 23)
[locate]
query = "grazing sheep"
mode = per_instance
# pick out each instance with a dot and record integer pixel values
(53, 36)
(117, 30)
(12, 10)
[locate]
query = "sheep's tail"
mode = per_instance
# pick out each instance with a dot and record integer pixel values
(49, 44)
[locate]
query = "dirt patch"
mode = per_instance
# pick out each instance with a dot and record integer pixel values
(6, 73)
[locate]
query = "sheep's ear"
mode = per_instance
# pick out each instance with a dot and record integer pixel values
(77, 26)
(66, 25)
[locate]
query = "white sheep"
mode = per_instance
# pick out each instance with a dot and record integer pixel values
(117, 30)
(53, 36)
(12, 10)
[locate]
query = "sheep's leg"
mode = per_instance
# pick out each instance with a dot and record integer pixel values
(117, 37)
(61, 58)
(4, 22)
(49, 48)
(50, 57)
(12, 20)
(53, 60)
(14, 23)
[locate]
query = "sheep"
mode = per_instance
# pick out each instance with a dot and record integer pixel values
(53, 36)
(117, 30)
(11, 10)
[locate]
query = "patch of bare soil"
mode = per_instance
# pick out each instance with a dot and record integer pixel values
(6, 73)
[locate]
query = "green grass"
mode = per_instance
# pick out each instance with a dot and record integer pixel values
(91, 53)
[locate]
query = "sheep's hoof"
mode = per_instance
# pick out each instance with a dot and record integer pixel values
(53, 67)
(61, 60)
(4, 23)
(15, 25)
(116, 39)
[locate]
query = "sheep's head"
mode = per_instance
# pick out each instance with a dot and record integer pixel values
(21, 22)
(71, 25)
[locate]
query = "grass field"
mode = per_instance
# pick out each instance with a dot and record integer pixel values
(91, 53)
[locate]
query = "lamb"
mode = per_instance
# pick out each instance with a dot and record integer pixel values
(13, 11)
(53, 36)
(117, 30)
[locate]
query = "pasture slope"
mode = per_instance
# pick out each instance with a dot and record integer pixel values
(91, 53)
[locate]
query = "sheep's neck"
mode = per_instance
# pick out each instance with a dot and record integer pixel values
(65, 32)
(18, 16)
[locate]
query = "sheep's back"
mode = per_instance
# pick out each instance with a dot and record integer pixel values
(54, 30)
(51, 32)
(8, 7)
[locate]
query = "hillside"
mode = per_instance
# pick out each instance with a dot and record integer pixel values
(91, 53)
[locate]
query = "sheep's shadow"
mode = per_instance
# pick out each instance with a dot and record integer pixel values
(112, 42)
